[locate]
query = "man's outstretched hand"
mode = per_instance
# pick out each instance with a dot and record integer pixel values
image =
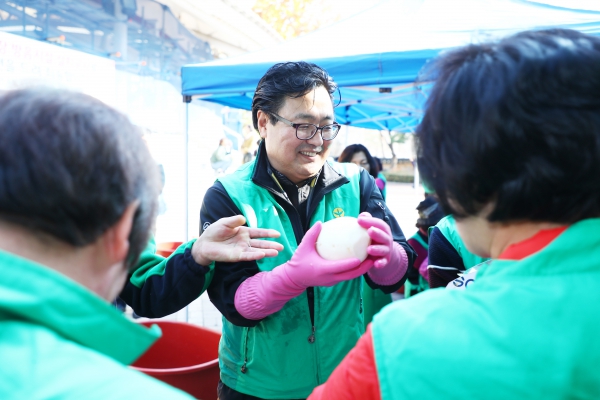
(227, 240)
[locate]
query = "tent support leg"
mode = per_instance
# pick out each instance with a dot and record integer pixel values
(416, 177)
(186, 183)
(186, 171)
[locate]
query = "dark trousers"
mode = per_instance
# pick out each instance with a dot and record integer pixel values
(226, 393)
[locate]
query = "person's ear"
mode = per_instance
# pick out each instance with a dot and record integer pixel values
(116, 238)
(262, 121)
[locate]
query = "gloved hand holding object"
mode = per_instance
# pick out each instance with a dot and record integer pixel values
(390, 261)
(267, 292)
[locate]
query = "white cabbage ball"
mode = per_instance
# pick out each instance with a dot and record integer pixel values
(342, 238)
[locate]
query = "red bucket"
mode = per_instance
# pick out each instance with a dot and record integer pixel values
(186, 356)
(165, 249)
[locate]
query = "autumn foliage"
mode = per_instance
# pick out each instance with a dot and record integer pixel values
(292, 18)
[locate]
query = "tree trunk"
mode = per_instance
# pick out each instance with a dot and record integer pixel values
(387, 138)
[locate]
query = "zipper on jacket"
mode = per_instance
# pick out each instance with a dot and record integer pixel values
(360, 309)
(310, 295)
(244, 368)
(311, 338)
(287, 206)
(309, 211)
(296, 222)
(318, 364)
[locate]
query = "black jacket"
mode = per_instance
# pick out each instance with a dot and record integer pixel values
(168, 285)
(445, 262)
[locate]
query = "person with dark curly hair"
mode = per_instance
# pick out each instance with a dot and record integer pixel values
(510, 142)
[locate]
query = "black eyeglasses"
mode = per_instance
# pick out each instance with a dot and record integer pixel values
(307, 131)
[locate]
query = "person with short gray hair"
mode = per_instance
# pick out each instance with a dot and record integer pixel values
(78, 197)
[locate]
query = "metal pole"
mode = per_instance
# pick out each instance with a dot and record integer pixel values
(186, 172)
(47, 23)
(347, 129)
(24, 18)
(186, 181)
(120, 31)
(416, 176)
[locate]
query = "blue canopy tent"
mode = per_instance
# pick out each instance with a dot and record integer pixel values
(377, 92)
(375, 56)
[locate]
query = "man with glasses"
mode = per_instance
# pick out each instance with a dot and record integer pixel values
(289, 320)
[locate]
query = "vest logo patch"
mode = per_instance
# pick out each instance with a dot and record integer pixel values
(205, 226)
(338, 212)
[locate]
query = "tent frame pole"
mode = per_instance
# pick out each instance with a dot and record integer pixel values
(186, 140)
(187, 100)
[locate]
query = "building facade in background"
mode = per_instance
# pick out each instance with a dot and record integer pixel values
(128, 54)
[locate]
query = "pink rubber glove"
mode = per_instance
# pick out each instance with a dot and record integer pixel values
(267, 292)
(423, 269)
(307, 268)
(390, 261)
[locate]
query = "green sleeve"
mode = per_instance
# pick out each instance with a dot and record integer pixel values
(150, 264)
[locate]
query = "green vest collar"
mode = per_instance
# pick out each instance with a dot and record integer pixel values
(447, 227)
(35, 293)
(419, 239)
(580, 238)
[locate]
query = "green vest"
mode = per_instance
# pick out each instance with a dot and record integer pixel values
(373, 301)
(447, 226)
(419, 239)
(274, 359)
(58, 340)
(525, 329)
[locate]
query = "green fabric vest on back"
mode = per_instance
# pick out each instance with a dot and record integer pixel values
(447, 226)
(58, 340)
(275, 360)
(524, 329)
